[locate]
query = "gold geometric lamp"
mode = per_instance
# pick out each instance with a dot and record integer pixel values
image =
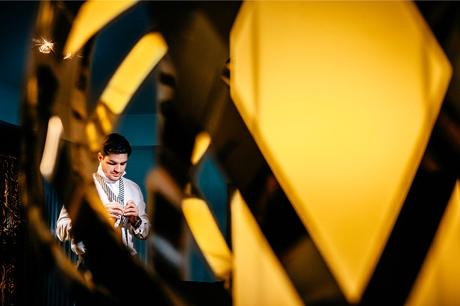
(341, 98)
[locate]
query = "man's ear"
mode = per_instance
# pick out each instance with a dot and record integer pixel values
(100, 157)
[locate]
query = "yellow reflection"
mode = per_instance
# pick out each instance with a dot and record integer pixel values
(92, 136)
(208, 236)
(106, 124)
(92, 16)
(32, 90)
(133, 70)
(50, 150)
(202, 141)
(258, 277)
(438, 281)
(341, 98)
(46, 14)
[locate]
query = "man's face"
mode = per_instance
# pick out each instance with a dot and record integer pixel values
(113, 165)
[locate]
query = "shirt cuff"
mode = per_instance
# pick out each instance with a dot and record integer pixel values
(138, 222)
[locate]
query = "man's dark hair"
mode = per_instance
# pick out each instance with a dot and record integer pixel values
(116, 144)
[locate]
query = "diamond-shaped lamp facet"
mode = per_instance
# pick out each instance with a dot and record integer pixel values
(341, 98)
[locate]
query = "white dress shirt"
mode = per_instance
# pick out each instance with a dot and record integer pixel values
(132, 192)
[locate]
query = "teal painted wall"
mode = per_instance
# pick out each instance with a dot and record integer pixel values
(16, 21)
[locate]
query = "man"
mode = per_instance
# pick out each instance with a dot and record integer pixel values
(121, 197)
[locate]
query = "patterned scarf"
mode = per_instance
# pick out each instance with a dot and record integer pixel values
(112, 198)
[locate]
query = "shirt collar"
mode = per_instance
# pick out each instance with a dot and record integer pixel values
(106, 179)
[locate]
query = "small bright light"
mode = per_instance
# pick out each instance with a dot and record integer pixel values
(44, 46)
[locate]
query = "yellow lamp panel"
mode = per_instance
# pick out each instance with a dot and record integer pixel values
(93, 16)
(106, 123)
(346, 94)
(92, 136)
(246, 62)
(202, 142)
(208, 236)
(133, 70)
(437, 283)
(50, 151)
(258, 277)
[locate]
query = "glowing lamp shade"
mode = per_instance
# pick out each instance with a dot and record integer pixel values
(202, 141)
(341, 98)
(93, 16)
(208, 236)
(133, 70)
(50, 151)
(437, 282)
(258, 277)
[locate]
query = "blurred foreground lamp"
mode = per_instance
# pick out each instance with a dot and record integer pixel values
(93, 16)
(258, 276)
(126, 80)
(51, 147)
(341, 98)
(208, 236)
(202, 141)
(437, 282)
(133, 70)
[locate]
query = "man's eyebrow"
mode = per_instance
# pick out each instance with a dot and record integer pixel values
(114, 162)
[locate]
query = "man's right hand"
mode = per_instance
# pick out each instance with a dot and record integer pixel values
(114, 209)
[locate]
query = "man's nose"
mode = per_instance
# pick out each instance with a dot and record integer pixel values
(117, 168)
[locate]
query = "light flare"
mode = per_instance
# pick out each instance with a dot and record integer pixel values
(44, 46)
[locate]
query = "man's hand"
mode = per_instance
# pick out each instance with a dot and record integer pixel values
(131, 212)
(114, 209)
